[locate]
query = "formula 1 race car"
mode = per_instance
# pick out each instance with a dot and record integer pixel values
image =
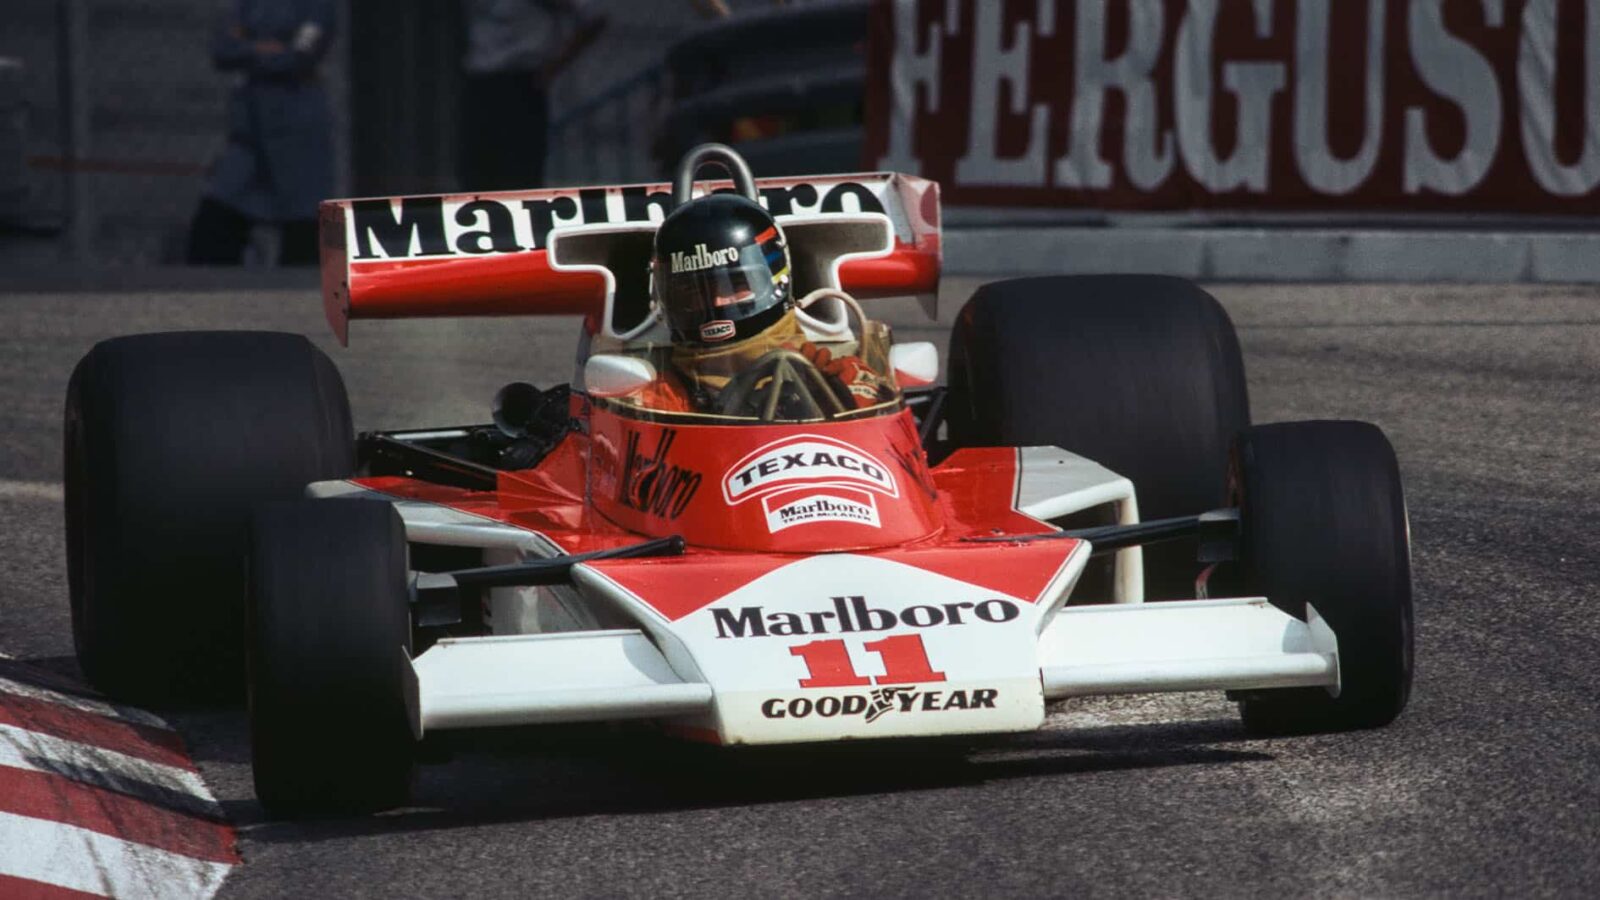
(780, 567)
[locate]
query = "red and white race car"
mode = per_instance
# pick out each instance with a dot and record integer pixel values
(947, 560)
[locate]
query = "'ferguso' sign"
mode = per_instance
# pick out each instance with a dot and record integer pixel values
(1163, 104)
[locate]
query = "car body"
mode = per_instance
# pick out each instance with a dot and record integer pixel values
(816, 580)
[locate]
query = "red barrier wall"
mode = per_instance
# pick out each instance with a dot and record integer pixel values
(1348, 105)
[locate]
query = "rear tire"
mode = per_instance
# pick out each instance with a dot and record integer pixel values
(330, 633)
(1139, 373)
(1324, 522)
(170, 439)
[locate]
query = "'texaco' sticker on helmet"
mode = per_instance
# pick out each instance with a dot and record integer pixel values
(717, 330)
(806, 459)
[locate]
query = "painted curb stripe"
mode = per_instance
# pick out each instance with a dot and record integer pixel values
(40, 691)
(42, 795)
(157, 745)
(84, 860)
(168, 786)
(27, 889)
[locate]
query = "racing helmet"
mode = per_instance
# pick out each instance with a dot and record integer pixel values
(720, 271)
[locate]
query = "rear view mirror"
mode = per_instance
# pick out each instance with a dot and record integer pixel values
(517, 407)
(613, 375)
(915, 364)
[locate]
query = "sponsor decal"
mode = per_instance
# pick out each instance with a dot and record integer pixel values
(806, 459)
(854, 614)
(410, 227)
(702, 258)
(874, 705)
(651, 483)
(821, 508)
(718, 330)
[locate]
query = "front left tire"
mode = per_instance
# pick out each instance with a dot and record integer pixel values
(169, 441)
(1323, 522)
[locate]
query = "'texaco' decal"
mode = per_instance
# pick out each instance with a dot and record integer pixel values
(718, 330)
(807, 459)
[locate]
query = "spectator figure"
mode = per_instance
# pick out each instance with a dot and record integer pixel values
(515, 49)
(278, 163)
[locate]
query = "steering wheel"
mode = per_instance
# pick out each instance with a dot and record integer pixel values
(761, 390)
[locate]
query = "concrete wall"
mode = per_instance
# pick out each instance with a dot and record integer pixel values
(1280, 254)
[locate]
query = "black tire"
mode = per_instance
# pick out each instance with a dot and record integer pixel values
(170, 439)
(330, 632)
(1324, 522)
(1140, 373)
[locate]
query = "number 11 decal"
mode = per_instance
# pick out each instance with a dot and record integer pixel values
(905, 661)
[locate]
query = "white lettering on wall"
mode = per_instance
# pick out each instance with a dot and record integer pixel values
(1456, 71)
(910, 70)
(1147, 148)
(1323, 171)
(1253, 84)
(992, 64)
(1536, 80)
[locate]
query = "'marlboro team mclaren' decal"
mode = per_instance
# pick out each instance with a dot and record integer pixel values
(835, 506)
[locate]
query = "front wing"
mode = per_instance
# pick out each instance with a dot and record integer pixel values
(847, 647)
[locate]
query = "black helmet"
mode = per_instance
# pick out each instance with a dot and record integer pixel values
(721, 270)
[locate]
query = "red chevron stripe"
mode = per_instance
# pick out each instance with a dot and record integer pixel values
(55, 798)
(142, 741)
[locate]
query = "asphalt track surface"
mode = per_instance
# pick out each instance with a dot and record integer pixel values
(1488, 785)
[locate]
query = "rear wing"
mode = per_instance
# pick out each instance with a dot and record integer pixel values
(585, 251)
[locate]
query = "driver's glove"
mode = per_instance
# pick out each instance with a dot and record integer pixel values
(855, 384)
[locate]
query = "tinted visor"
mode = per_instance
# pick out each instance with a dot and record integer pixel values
(708, 288)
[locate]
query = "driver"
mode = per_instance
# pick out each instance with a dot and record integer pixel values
(721, 281)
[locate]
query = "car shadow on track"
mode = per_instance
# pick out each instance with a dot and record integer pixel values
(520, 776)
(552, 773)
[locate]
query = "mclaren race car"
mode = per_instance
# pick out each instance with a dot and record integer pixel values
(772, 560)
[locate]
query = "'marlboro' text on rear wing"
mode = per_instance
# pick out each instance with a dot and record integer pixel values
(489, 254)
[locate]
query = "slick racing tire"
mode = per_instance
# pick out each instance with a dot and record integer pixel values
(329, 636)
(170, 439)
(1323, 522)
(1139, 373)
